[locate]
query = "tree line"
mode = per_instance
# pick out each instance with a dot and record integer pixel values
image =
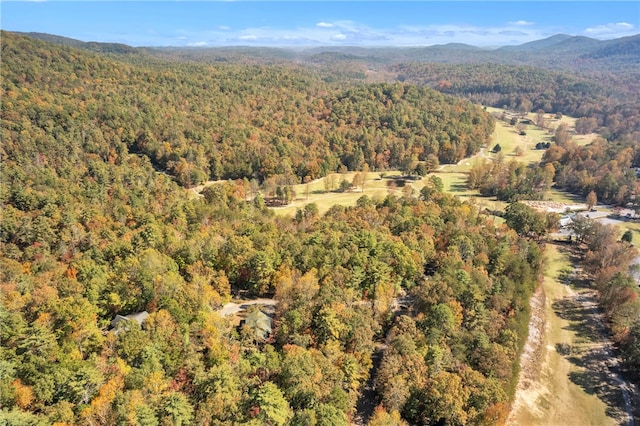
(608, 263)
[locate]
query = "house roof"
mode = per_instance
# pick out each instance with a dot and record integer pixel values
(139, 317)
(259, 322)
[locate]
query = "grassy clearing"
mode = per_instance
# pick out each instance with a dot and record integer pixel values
(563, 388)
(509, 138)
(323, 191)
(327, 200)
(563, 197)
(465, 165)
(510, 141)
(630, 225)
(456, 183)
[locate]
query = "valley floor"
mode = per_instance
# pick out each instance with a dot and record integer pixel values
(569, 374)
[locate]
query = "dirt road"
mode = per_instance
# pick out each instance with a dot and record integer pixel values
(233, 308)
(569, 374)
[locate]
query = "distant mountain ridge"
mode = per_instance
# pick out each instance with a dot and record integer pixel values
(625, 46)
(87, 45)
(455, 46)
(559, 51)
(557, 40)
(539, 44)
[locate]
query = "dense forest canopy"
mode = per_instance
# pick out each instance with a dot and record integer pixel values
(98, 147)
(201, 122)
(596, 81)
(91, 230)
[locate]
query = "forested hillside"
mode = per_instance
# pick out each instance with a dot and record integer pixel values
(200, 122)
(96, 222)
(593, 80)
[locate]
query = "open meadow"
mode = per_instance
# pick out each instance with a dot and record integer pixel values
(325, 194)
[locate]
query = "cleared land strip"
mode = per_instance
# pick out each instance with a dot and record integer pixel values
(573, 379)
(232, 308)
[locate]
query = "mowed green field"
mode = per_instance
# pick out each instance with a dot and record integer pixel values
(323, 192)
(375, 187)
(563, 387)
(510, 140)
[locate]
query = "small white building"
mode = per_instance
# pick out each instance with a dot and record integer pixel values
(566, 220)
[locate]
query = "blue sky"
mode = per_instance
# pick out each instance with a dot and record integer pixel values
(312, 23)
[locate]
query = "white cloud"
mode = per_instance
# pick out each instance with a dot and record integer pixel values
(353, 33)
(348, 32)
(350, 25)
(610, 29)
(520, 23)
(198, 44)
(469, 34)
